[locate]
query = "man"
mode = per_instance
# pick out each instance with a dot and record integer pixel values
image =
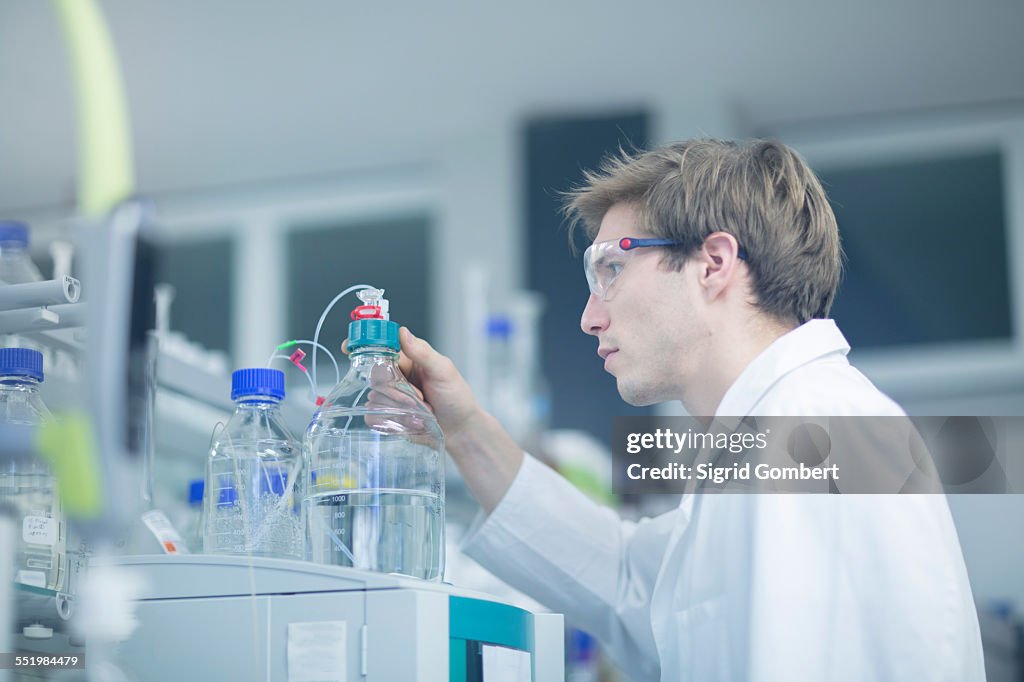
(712, 272)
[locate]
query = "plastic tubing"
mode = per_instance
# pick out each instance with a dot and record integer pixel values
(316, 336)
(285, 357)
(307, 342)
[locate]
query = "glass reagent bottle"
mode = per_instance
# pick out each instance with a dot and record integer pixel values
(29, 485)
(249, 495)
(374, 496)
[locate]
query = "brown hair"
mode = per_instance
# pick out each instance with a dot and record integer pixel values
(761, 192)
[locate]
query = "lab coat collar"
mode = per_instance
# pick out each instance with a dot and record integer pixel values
(808, 342)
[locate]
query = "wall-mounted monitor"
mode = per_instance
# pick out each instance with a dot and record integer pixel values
(931, 216)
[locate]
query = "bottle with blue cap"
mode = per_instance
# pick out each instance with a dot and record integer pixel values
(374, 496)
(250, 505)
(193, 527)
(516, 391)
(29, 485)
(16, 267)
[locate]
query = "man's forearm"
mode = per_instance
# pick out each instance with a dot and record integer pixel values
(487, 457)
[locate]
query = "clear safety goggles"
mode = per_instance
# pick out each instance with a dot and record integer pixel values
(603, 261)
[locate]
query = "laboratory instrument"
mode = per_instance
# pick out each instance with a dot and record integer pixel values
(301, 621)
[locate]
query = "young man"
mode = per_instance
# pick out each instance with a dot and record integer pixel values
(713, 268)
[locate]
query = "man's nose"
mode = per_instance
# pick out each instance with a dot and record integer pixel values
(595, 316)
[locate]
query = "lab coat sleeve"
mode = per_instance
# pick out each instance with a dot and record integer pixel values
(550, 541)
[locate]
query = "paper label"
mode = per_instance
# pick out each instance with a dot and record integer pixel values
(34, 578)
(39, 530)
(168, 537)
(317, 651)
(505, 665)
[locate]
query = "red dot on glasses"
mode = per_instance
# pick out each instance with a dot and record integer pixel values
(625, 243)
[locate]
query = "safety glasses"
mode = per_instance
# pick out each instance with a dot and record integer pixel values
(603, 261)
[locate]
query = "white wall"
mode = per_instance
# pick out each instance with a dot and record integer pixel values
(224, 94)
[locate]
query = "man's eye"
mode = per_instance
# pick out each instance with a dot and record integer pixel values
(608, 268)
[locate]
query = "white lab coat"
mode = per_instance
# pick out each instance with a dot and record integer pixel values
(753, 587)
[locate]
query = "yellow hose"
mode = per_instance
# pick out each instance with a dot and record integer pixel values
(106, 175)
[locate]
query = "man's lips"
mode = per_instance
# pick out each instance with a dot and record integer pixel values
(605, 352)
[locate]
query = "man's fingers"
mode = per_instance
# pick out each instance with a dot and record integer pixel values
(344, 346)
(405, 364)
(427, 361)
(419, 393)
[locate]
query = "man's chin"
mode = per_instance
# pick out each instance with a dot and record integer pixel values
(637, 396)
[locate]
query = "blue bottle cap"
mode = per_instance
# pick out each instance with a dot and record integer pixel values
(257, 381)
(373, 332)
(14, 231)
(23, 362)
(195, 491)
(499, 327)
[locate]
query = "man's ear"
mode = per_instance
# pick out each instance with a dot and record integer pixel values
(719, 260)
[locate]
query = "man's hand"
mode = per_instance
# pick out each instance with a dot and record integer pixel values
(486, 455)
(440, 384)
(436, 381)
